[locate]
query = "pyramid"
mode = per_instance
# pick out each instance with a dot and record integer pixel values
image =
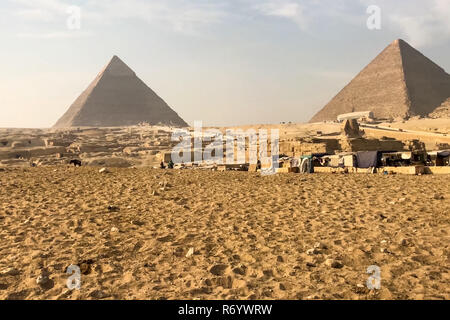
(117, 97)
(399, 82)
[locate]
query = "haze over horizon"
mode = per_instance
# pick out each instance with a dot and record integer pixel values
(226, 63)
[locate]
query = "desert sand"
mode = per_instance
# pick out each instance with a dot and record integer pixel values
(131, 231)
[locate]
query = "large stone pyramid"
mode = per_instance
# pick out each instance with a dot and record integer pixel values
(117, 97)
(400, 82)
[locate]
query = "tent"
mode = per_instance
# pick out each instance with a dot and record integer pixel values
(306, 165)
(367, 159)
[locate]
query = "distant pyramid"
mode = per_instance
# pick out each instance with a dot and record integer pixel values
(400, 82)
(117, 97)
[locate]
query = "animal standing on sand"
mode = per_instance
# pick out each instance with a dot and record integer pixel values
(76, 163)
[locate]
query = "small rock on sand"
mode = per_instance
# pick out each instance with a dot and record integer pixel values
(285, 286)
(98, 294)
(361, 289)
(313, 251)
(10, 272)
(138, 223)
(320, 245)
(239, 270)
(103, 170)
(42, 280)
(385, 250)
(112, 208)
(438, 196)
(85, 268)
(218, 269)
(333, 263)
(190, 252)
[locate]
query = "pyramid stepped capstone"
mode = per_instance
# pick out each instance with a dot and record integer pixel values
(400, 82)
(117, 97)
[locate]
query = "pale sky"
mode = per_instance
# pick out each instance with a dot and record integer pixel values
(224, 62)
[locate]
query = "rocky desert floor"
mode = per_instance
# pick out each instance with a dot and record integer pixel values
(288, 236)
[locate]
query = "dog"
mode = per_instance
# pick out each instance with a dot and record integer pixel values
(76, 163)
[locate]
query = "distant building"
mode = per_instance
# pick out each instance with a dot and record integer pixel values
(362, 115)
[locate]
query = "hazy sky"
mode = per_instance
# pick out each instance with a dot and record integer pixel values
(224, 62)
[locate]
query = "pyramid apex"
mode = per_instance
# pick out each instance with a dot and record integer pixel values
(397, 42)
(115, 59)
(400, 42)
(118, 68)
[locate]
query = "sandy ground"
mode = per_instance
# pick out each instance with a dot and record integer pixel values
(251, 235)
